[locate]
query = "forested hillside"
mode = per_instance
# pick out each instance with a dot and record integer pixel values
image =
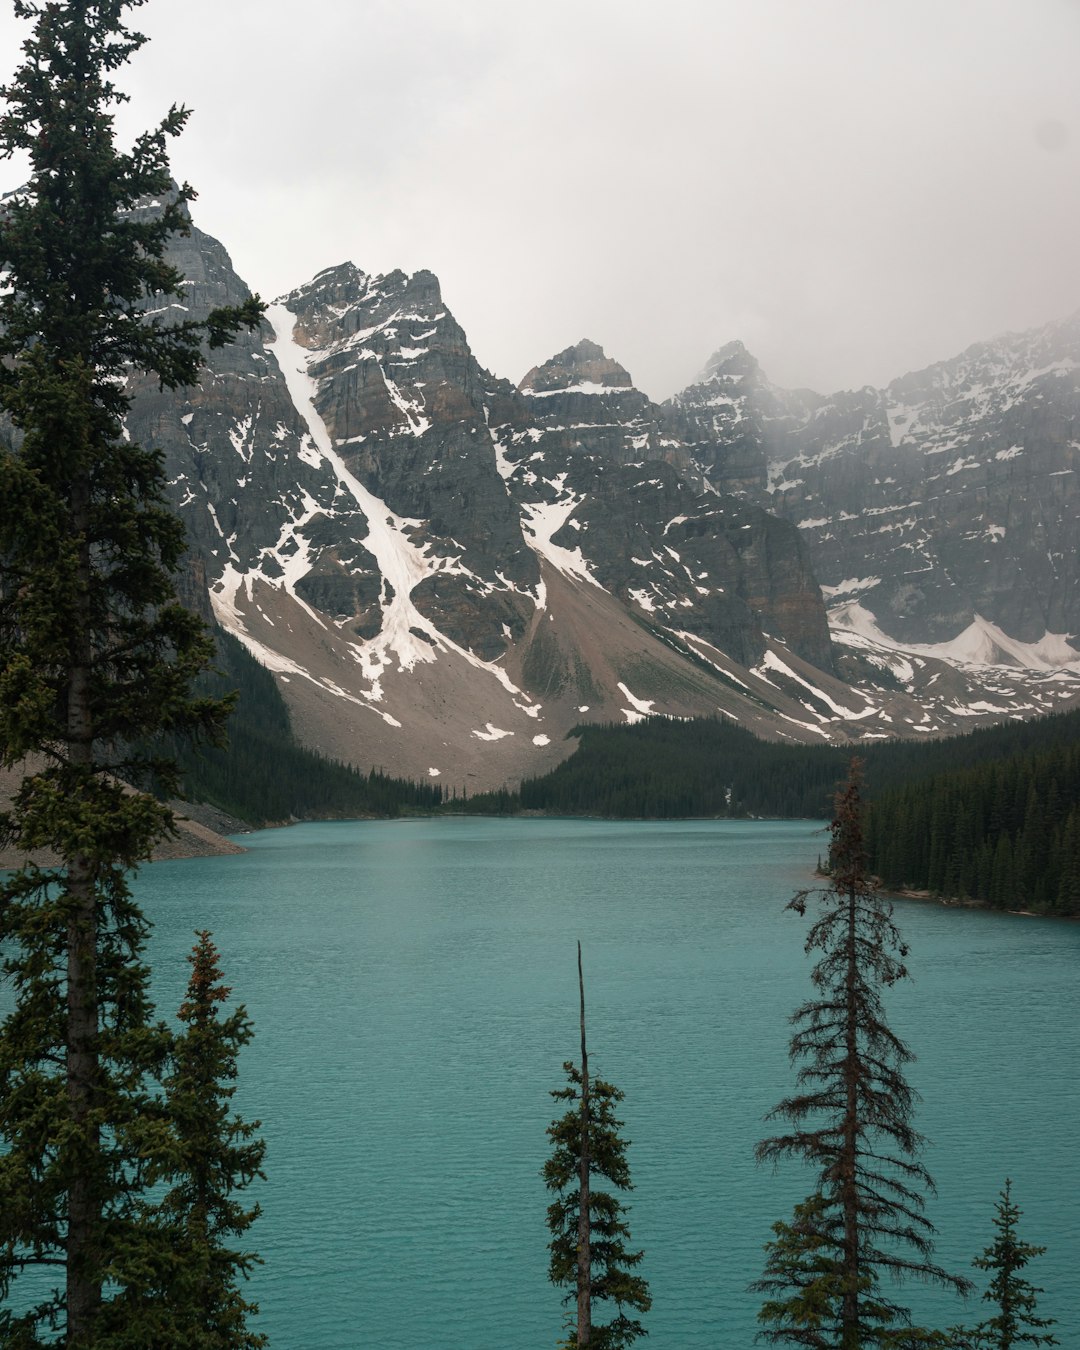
(1006, 833)
(661, 768)
(993, 816)
(263, 775)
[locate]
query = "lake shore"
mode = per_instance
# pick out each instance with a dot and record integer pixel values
(200, 830)
(967, 902)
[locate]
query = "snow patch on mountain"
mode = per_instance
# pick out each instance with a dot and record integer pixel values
(541, 520)
(491, 733)
(400, 561)
(981, 643)
(639, 709)
(770, 661)
(584, 387)
(850, 586)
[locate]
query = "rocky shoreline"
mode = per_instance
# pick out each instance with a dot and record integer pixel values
(200, 831)
(966, 902)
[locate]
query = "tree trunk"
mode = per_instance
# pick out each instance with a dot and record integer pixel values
(584, 1254)
(83, 1282)
(848, 1158)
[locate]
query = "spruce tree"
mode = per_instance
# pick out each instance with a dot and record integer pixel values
(804, 1278)
(589, 1232)
(852, 1124)
(216, 1154)
(95, 655)
(1015, 1321)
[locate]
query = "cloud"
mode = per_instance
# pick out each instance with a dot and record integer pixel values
(854, 190)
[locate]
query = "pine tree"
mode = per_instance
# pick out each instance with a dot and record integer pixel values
(852, 1123)
(804, 1279)
(216, 1155)
(1015, 1323)
(95, 655)
(589, 1233)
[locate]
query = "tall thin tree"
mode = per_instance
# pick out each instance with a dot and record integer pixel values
(852, 1124)
(217, 1155)
(95, 654)
(589, 1255)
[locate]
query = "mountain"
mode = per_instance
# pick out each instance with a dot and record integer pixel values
(446, 573)
(657, 537)
(951, 498)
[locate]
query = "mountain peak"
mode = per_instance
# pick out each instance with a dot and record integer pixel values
(731, 361)
(338, 275)
(583, 351)
(584, 364)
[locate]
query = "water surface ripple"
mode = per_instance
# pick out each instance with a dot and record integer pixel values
(413, 990)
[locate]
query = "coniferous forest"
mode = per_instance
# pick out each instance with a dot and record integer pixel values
(993, 816)
(1006, 833)
(660, 768)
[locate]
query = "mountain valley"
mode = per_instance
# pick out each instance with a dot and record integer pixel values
(446, 573)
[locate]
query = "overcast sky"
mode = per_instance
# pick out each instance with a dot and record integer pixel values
(855, 188)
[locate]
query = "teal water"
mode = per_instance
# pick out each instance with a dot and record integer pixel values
(414, 992)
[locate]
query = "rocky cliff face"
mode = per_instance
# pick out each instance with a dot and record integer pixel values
(953, 493)
(734, 421)
(234, 446)
(447, 573)
(405, 405)
(628, 497)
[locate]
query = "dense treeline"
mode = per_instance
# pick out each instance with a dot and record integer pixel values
(660, 769)
(1006, 833)
(993, 815)
(263, 775)
(709, 767)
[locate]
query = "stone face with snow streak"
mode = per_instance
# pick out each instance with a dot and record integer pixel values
(446, 573)
(240, 472)
(956, 487)
(690, 559)
(403, 399)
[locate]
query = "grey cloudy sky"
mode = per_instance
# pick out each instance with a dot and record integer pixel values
(853, 187)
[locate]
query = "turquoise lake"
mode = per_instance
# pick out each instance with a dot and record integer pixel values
(413, 987)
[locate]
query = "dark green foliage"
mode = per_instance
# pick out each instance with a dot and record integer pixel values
(804, 1284)
(1015, 1321)
(95, 655)
(212, 1155)
(612, 1278)
(851, 1122)
(710, 767)
(262, 775)
(1006, 833)
(43, 1146)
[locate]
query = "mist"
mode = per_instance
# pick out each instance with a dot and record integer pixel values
(853, 190)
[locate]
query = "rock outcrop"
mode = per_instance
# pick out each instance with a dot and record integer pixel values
(446, 572)
(626, 493)
(950, 494)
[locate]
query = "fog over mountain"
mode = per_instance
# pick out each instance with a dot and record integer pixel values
(852, 190)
